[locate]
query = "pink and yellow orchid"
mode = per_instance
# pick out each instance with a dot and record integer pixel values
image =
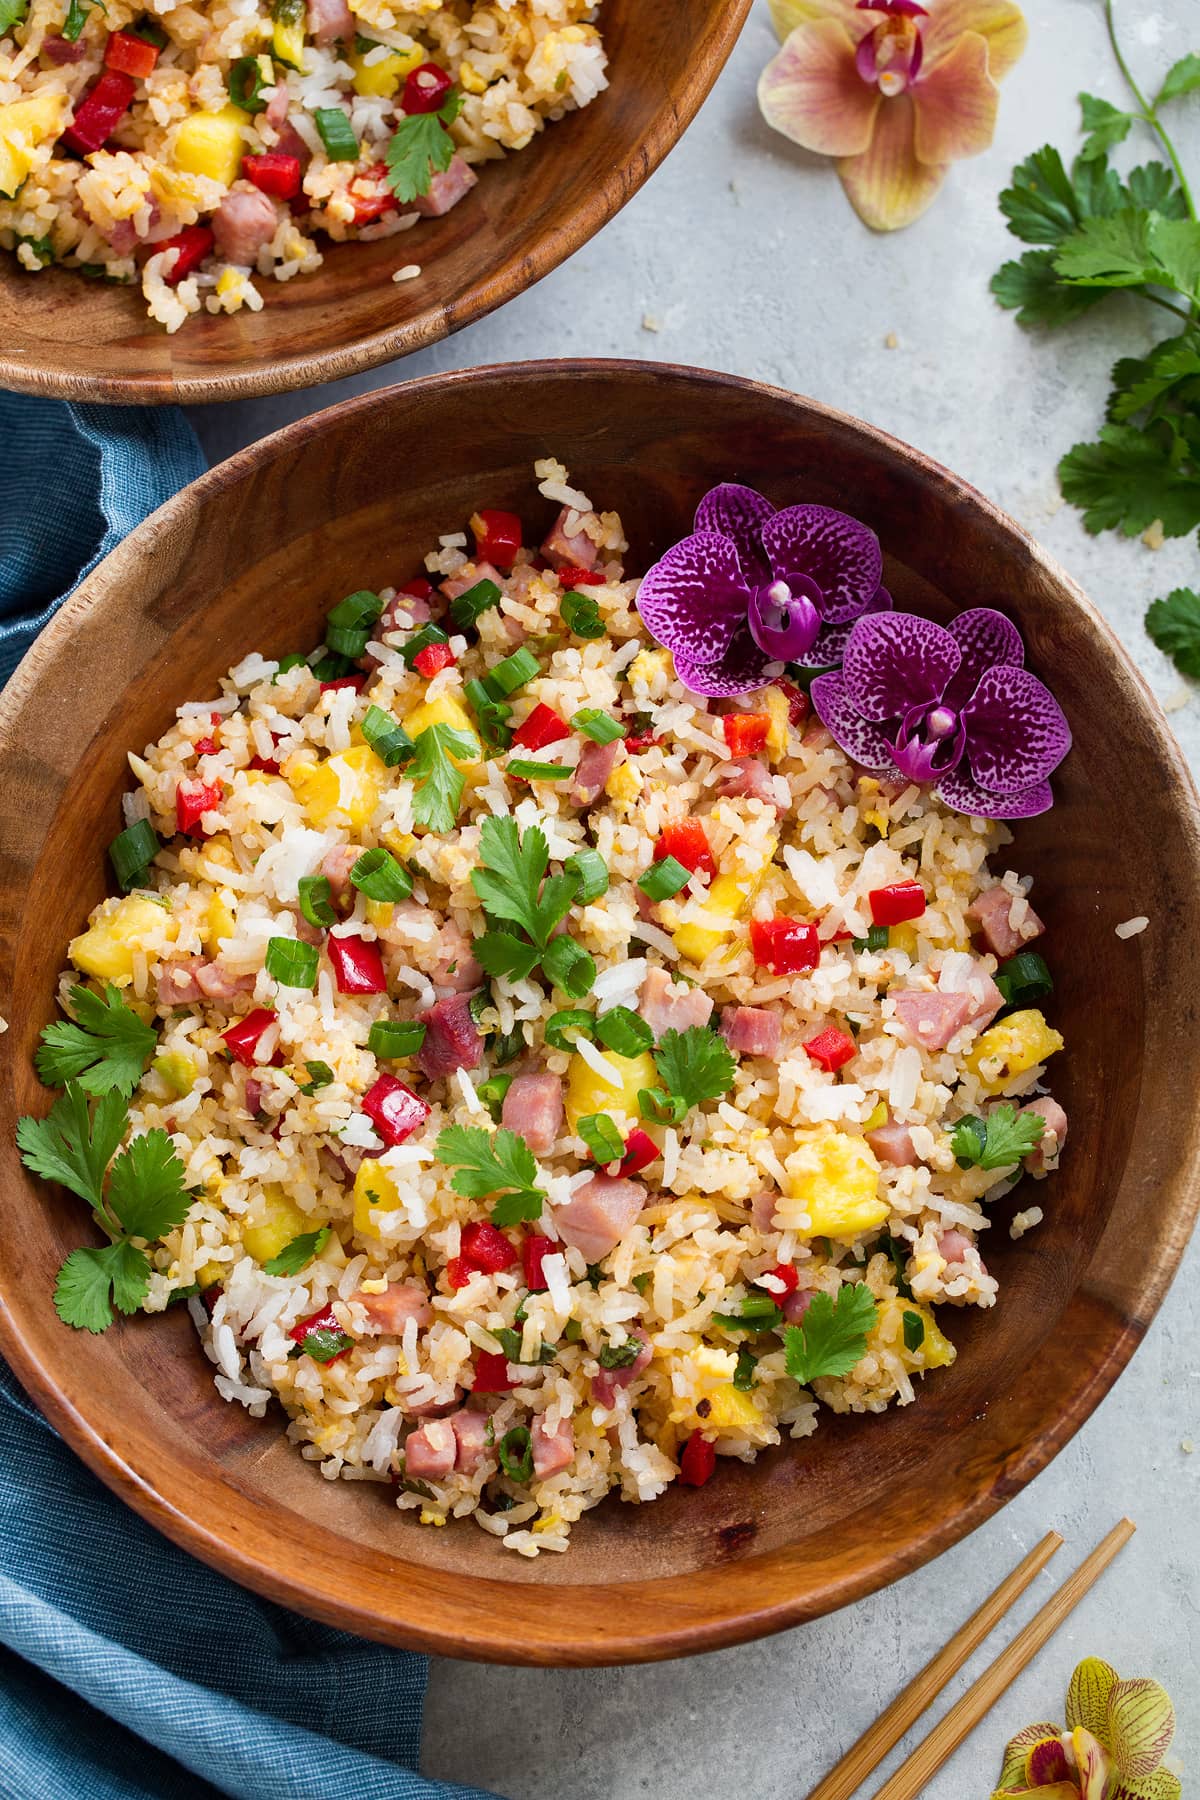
(1117, 1734)
(894, 89)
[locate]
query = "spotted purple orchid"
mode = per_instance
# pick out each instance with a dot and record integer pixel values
(754, 588)
(952, 706)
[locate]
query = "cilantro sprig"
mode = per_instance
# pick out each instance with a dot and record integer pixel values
(998, 1141)
(297, 1254)
(420, 148)
(105, 1046)
(138, 1194)
(516, 890)
(833, 1336)
(694, 1066)
(499, 1163)
(438, 779)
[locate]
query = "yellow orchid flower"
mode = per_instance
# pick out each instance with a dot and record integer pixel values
(896, 91)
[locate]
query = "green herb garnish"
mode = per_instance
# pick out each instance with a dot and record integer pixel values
(833, 1335)
(694, 1066)
(105, 1047)
(516, 889)
(319, 1075)
(743, 1375)
(515, 1450)
(998, 1141)
(488, 1164)
(914, 1330)
(420, 148)
(299, 1253)
(439, 781)
(77, 17)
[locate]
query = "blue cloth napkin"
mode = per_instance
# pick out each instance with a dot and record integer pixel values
(128, 1671)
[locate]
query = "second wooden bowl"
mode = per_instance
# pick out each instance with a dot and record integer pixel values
(250, 557)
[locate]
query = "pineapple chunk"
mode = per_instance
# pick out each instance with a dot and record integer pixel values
(904, 937)
(374, 1186)
(219, 921)
(1015, 1045)
(834, 1181)
(210, 143)
(348, 784)
(726, 901)
(107, 948)
(24, 124)
(383, 77)
(935, 1350)
(777, 707)
(715, 1404)
(472, 82)
(445, 710)
(877, 1117)
(287, 39)
(271, 1222)
(588, 1092)
(177, 1070)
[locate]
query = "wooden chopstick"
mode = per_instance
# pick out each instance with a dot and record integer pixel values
(870, 1750)
(911, 1777)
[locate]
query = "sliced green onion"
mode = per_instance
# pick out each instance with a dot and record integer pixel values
(504, 678)
(76, 19)
(662, 879)
(292, 660)
(623, 1032)
(505, 1045)
(574, 1020)
(758, 1312)
(601, 1137)
(491, 715)
(643, 1283)
(357, 610)
(291, 963)
(569, 967)
(492, 1092)
(660, 1108)
(466, 608)
(244, 81)
(333, 667)
(421, 640)
(390, 742)
(1024, 978)
(320, 1075)
(516, 1454)
(316, 900)
(601, 727)
(149, 32)
(510, 1343)
(391, 1039)
(914, 1330)
(132, 851)
(572, 1331)
(591, 873)
(379, 876)
(876, 939)
(581, 615)
(743, 1375)
(526, 770)
(337, 133)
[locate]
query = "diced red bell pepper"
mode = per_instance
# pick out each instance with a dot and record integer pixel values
(491, 1374)
(745, 733)
(357, 682)
(325, 1320)
(432, 658)
(371, 206)
(266, 763)
(209, 1297)
(418, 587)
(542, 727)
(273, 173)
(131, 55)
(785, 946)
(394, 1110)
(425, 92)
(577, 578)
(357, 965)
(534, 1252)
(686, 841)
(208, 746)
(831, 1049)
(640, 1151)
(99, 112)
(192, 800)
(799, 704)
(786, 1275)
(484, 1248)
(193, 243)
(640, 740)
(243, 1037)
(457, 1272)
(893, 905)
(498, 535)
(698, 1461)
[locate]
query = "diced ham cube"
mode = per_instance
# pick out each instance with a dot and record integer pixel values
(607, 1384)
(986, 998)
(399, 1302)
(469, 576)
(470, 1436)
(817, 737)
(329, 21)
(751, 780)
(254, 1095)
(446, 189)
(575, 549)
(60, 51)
(552, 1450)
(177, 984)
(451, 1039)
(431, 1450)
(245, 220)
(456, 970)
(434, 1409)
(598, 1215)
(1055, 1135)
(276, 110)
(954, 1245)
(218, 982)
(931, 1020)
(336, 869)
(796, 1305)
(893, 1145)
(596, 764)
(307, 934)
(752, 1030)
(668, 1005)
(403, 610)
(1006, 922)
(533, 1108)
(762, 1209)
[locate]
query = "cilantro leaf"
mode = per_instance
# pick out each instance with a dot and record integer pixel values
(105, 1046)
(420, 147)
(439, 781)
(1106, 125)
(145, 1187)
(999, 1140)
(72, 1145)
(1174, 625)
(695, 1065)
(488, 1164)
(833, 1336)
(1033, 286)
(501, 953)
(1182, 78)
(1130, 478)
(299, 1253)
(90, 1281)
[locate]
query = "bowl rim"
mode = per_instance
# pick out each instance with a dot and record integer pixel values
(442, 318)
(661, 1621)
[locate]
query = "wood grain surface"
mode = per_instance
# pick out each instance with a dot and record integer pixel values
(250, 557)
(90, 341)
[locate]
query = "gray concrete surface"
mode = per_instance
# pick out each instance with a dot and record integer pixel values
(747, 257)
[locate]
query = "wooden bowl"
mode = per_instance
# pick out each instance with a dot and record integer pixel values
(249, 557)
(89, 341)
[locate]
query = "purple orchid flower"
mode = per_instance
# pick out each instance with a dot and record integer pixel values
(754, 587)
(953, 706)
